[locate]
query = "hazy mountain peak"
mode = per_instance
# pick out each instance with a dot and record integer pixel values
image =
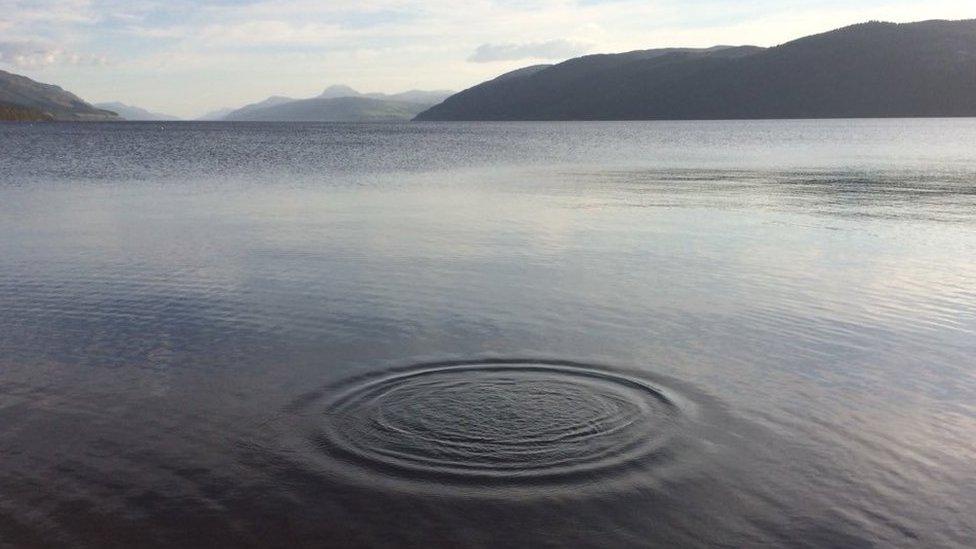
(339, 90)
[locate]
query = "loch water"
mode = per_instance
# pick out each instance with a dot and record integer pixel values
(640, 334)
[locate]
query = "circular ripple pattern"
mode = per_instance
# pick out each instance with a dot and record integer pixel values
(516, 420)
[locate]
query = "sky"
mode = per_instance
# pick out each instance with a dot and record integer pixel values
(187, 57)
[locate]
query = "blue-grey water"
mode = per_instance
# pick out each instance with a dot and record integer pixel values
(715, 334)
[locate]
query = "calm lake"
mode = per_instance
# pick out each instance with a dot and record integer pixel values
(647, 334)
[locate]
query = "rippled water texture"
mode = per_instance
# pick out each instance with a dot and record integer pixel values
(694, 334)
(503, 421)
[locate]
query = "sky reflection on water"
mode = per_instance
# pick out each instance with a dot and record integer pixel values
(165, 303)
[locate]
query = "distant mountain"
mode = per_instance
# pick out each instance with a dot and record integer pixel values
(340, 90)
(131, 113)
(218, 114)
(415, 96)
(337, 109)
(51, 101)
(245, 112)
(431, 97)
(868, 70)
(336, 104)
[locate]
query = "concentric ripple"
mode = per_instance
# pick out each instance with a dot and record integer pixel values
(494, 421)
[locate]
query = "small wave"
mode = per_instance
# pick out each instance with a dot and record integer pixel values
(493, 422)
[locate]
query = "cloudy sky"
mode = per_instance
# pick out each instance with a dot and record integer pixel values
(188, 56)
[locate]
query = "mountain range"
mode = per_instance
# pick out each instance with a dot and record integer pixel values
(129, 112)
(339, 104)
(872, 69)
(869, 70)
(25, 99)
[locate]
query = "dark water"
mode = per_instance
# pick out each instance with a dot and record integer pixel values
(491, 335)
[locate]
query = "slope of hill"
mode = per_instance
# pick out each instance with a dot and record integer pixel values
(246, 111)
(338, 109)
(48, 99)
(19, 113)
(867, 70)
(129, 112)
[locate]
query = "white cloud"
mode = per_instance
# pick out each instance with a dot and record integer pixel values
(36, 55)
(552, 49)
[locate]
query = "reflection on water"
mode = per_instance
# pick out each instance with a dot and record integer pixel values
(640, 334)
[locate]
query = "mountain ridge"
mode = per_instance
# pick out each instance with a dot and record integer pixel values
(330, 109)
(872, 69)
(339, 103)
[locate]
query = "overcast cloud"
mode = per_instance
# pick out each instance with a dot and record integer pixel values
(34, 55)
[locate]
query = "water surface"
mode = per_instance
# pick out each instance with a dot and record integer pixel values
(586, 334)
